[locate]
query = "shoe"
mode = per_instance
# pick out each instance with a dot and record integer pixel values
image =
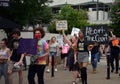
(94, 71)
(112, 70)
(116, 72)
(73, 82)
(56, 69)
(78, 76)
(48, 70)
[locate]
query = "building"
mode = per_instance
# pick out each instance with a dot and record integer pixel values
(98, 10)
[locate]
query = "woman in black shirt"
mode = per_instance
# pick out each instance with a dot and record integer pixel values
(82, 56)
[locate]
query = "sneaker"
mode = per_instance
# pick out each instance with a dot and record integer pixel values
(56, 69)
(112, 70)
(48, 70)
(94, 71)
(73, 82)
(116, 72)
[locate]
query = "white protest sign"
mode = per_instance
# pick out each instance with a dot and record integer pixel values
(75, 31)
(60, 40)
(61, 25)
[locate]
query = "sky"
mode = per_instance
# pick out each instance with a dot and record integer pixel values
(59, 2)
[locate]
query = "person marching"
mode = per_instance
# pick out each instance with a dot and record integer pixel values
(54, 49)
(40, 63)
(73, 65)
(82, 56)
(15, 59)
(94, 56)
(114, 46)
(4, 55)
(64, 54)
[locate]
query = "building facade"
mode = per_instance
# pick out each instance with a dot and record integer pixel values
(98, 10)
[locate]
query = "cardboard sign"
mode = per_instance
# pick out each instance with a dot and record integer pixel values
(60, 40)
(61, 25)
(75, 31)
(96, 34)
(4, 3)
(28, 46)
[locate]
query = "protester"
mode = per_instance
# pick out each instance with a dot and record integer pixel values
(15, 59)
(4, 55)
(54, 49)
(95, 56)
(40, 63)
(73, 65)
(83, 57)
(114, 43)
(64, 54)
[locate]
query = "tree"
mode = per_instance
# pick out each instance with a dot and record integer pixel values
(75, 18)
(27, 12)
(115, 17)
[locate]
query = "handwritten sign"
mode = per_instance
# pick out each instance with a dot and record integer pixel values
(60, 40)
(96, 34)
(61, 25)
(4, 3)
(75, 31)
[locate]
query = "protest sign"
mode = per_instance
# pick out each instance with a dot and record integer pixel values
(61, 25)
(96, 34)
(75, 31)
(4, 3)
(60, 40)
(28, 46)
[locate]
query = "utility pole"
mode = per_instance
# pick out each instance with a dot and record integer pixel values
(97, 10)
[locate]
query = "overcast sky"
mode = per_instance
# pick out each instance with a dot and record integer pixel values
(58, 2)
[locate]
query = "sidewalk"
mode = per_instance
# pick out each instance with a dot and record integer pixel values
(65, 77)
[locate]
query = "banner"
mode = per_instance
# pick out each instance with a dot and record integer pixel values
(28, 46)
(96, 34)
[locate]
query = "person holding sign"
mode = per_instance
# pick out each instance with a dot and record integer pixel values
(82, 56)
(73, 66)
(114, 45)
(40, 63)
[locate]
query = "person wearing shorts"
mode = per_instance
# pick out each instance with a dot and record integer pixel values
(54, 48)
(15, 58)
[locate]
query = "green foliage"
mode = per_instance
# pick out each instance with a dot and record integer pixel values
(27, 12)
(75, 18)
(115, 18)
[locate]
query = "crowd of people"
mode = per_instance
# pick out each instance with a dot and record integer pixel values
(74, 53)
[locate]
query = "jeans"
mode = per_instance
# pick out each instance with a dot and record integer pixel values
(33, 69)
(3, 71)
(94, 60)
(99, 55)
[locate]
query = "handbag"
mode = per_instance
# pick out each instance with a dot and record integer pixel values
(33, 59)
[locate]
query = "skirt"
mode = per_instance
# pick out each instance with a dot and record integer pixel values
(83, 57)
